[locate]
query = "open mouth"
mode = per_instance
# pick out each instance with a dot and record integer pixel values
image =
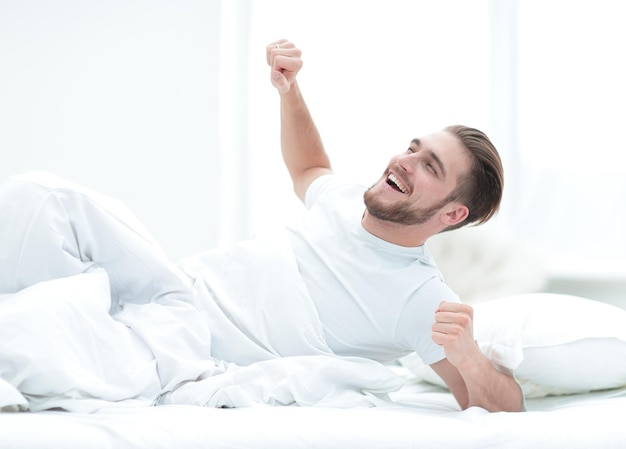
(396, 184)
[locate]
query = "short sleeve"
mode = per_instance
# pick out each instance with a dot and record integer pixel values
(415, 324)
(318, 187)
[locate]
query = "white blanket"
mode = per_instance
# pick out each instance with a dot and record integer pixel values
(111, 321)
(59, 347)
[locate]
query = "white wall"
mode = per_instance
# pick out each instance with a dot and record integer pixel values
(120, 96)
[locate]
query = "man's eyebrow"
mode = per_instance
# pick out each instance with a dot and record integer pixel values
(438, 161)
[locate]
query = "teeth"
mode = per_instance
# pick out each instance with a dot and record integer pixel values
(393, 178)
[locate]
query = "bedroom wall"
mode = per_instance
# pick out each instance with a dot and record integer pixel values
(120, 96)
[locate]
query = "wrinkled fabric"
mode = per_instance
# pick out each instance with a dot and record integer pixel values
(106, 318)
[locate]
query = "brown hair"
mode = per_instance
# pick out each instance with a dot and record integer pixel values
(480, 190)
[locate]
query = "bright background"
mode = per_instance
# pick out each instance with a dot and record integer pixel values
(168, 105)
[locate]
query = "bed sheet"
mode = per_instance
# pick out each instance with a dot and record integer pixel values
(423, 416)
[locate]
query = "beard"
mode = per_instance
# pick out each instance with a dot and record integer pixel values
(399, 212)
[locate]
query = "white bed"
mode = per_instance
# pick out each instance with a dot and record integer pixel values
(429, 419)
(68, 352)
(573, 375)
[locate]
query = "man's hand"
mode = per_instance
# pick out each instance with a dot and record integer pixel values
(284, 60)
(453, 330)
(469, 374)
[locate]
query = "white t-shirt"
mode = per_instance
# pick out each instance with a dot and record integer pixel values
(375, 299)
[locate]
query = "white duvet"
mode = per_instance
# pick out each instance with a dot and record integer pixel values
(59, 347)
(98, 316)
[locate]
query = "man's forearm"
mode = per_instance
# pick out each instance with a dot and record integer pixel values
(473, 379)
(491, 389)
(301, 144)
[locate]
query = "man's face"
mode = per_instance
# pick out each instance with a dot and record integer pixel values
(417, 184)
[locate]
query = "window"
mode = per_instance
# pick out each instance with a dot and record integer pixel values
(376, 74)
(544, 79)
(572, 153)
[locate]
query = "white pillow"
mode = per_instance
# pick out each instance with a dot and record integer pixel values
(555, 344)
(59, 347)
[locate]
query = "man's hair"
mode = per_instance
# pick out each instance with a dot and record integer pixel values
(480, 190)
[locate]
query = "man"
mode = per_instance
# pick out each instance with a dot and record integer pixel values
(340, 282)
(443, 181)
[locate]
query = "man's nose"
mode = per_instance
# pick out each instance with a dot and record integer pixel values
(408, 162)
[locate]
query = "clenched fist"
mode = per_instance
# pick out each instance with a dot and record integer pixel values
(284, 60)
(453, 330)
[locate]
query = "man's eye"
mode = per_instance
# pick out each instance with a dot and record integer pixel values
(431, 168)
(410, 150)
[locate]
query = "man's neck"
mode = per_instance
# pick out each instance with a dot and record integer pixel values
(398, 234)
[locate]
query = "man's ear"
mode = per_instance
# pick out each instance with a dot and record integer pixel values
(454, 214)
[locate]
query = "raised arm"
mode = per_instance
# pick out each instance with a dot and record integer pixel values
(469, 374)
(301, 144)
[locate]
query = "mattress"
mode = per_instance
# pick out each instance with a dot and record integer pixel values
(422, 416)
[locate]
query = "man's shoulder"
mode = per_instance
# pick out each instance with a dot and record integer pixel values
(333, 186)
